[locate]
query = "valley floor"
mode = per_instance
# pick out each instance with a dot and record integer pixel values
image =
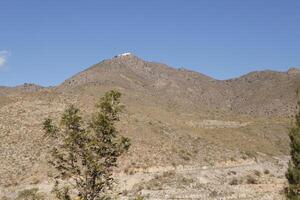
(252, 179)
(261, 179)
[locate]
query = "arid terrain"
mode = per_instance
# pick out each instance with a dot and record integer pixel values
(193, 137)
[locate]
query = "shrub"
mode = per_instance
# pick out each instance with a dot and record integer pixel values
(185, 155)
(234, 181)
(257, 173)
(251, 180)
(139, 197)
(30, 194)
(85, 154)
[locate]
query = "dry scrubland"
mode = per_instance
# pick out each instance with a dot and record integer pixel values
(193, 137)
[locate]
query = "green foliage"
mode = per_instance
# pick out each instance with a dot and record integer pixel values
(87, 153)
(293, 172)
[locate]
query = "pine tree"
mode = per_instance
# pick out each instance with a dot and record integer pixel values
(293, 172)
(87, 153)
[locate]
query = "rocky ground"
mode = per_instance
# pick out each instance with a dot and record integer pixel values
(261, 178)
(245, 179)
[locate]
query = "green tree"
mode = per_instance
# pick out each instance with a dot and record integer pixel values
(85, 154)
(293, 172)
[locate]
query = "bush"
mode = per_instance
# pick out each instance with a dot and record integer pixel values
(169, 173)
(251, 180)
(30, 194)
(185, 155)
(139, 197)
(234, 181)
(257, 173)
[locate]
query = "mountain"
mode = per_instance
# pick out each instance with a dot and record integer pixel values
(177, 120)
(265, 93)
(257, 93)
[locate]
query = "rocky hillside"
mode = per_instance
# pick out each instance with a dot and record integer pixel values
(265, 93)
(174, 117)
(258, 93)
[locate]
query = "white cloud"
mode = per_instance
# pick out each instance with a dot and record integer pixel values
(3, 57)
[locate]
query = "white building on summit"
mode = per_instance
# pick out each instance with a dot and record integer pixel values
(124, 54)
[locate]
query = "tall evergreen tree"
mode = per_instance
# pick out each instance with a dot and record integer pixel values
(293, 173)
(87, 153)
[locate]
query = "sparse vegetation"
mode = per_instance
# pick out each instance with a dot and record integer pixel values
(231, 173)
(185, 155)
(169, 173)
(213, 194)
(234, 181)
(30, 194)
(257, 173)
(139, 197)
(87, 153)
(5, 198)
(202, 137)
(249, 154)
(251, 180)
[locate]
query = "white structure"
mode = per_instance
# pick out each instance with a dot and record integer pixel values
(125, 54)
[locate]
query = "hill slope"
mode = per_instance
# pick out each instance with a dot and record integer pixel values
(257, 93)
(173, 116)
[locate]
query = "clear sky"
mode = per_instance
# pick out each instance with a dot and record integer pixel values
(47, 41)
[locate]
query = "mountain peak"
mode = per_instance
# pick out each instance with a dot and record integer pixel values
(125, 54)
(125, 57)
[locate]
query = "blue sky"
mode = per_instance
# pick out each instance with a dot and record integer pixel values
(46, 41)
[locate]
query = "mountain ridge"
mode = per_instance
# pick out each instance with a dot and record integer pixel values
(292, 70)
(182, 86)
(273, 91)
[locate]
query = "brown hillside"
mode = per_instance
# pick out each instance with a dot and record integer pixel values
(174, 117)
